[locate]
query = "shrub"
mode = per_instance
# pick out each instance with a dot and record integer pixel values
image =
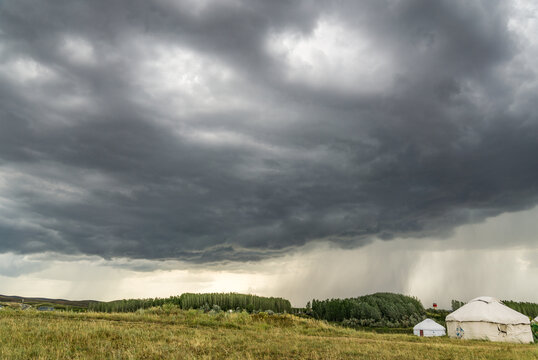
(534, 328)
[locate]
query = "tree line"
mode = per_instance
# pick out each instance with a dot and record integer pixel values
(527, 308)
(224, 301)
(234, 301)
(379, 309)
(129, 305)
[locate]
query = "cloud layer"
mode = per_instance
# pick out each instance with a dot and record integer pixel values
(429, 268)
(236, 130)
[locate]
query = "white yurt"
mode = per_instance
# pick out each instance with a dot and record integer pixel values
(429, 327)
(487, 318)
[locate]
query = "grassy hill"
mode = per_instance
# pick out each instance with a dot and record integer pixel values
(171, 333)
(40, 301)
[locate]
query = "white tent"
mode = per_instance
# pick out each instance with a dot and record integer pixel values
(486, 318)
(429, 327)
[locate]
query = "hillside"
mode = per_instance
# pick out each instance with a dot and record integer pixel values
(178, 334)
(39, 300)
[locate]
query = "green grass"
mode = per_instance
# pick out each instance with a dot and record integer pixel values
(178, 334)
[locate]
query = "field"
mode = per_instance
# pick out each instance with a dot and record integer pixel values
(179, 334)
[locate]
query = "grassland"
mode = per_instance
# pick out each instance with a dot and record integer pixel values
(179, 334)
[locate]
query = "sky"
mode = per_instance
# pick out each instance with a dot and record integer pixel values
(303, 149)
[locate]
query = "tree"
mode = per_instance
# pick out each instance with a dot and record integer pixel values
(456, 304)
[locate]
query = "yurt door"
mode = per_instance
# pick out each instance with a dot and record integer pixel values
(421, 332)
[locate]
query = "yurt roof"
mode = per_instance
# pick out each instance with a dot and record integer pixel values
(487, 309)
(428, 324)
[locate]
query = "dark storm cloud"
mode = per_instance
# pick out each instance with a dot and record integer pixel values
(110, 146)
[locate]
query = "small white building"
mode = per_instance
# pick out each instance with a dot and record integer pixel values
(487, 318)
(428, 328)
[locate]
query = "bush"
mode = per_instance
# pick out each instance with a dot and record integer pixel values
(169, 308)
(534, 328)
(205, 307)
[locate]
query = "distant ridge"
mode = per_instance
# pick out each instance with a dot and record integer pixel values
(36, 300)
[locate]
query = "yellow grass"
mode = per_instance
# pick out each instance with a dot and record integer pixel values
(177, 334)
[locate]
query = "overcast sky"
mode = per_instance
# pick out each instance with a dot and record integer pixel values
(291, 148)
